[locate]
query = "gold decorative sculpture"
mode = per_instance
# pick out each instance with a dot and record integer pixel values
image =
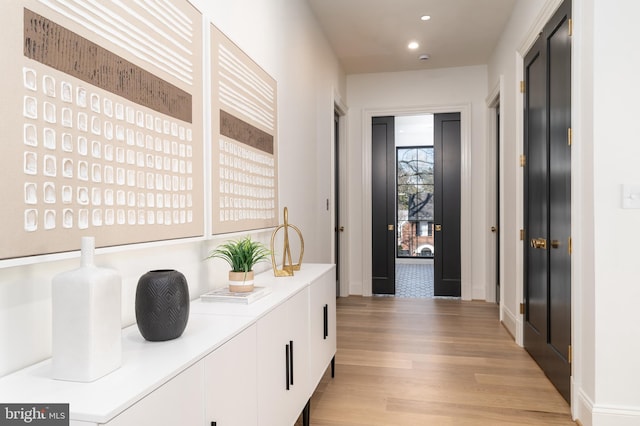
(287, 263)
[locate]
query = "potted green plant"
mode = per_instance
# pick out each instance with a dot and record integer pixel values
(241, 255)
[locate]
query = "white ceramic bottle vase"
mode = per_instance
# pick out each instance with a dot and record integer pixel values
(87, 335)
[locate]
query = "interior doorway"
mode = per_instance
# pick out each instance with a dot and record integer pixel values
(338, 204)
(415, 174)
(465, 189)
(416, 240)
(495, 167)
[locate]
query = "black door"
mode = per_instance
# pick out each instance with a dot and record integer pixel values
(496, 227)
(336, 207)
(547, 190)
(447, 169)
(383, 236)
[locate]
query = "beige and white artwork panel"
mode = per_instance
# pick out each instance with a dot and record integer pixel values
(101, 124)
(244, 150)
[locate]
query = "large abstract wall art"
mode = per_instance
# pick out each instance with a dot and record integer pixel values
(244, 140)
(100, 123)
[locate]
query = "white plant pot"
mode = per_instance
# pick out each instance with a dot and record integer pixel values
(241, 282)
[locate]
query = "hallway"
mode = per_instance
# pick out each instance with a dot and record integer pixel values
(431, 362)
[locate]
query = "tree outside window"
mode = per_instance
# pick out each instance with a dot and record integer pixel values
(415, 201)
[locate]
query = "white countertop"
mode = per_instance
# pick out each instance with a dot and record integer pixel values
(148, 365)
(145, 366)
(281, 289)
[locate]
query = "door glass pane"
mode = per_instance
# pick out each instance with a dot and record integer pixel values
(415, 202)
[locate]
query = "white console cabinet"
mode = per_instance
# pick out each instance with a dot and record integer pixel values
(322, 331)
(169, 405)
(283, 364)
(229, 367)
(230, 392)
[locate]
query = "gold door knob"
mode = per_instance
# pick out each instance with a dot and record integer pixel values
(555, 243)
(389, 227)
(438, 228)
(540, 243)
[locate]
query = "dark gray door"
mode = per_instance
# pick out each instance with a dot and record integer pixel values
(447, 169)
(336, 207)
(496, 227)
(383, 236)
(547, 219)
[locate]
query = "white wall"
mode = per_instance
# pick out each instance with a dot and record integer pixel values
(616, 231)
(606, 339)
(283, 38)
(426, 90)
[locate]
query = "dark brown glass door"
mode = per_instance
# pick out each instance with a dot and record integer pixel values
(547, 190)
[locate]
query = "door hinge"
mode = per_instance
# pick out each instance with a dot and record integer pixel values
(522, 309)
(570, 246)
(523, 160)
(522, 235)
(522, 86)
(569, 136)
(570, 354)
(570, 27)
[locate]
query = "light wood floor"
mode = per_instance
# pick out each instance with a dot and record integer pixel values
(431, 362)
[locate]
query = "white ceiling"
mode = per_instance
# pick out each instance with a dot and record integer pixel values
(372, 35)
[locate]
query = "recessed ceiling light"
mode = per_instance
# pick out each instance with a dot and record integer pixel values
(425, 17)
(413, 45)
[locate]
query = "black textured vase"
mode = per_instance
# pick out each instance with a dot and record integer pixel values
(162, 304)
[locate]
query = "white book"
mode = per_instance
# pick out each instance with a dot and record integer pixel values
(224, 295)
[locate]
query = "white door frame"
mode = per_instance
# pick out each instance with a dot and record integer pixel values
(465, 187)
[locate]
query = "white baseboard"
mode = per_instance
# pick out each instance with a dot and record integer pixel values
(509, 321)
(519, 330)
(582, 406)
(590, 414)
(615, 416)
(355, 288)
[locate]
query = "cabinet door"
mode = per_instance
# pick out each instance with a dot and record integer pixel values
(177, 402)
(283, 391)
(322, 318)
(230, 382)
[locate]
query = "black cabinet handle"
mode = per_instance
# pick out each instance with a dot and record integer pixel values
(291, 358)
(286, 350)
(326, 321)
